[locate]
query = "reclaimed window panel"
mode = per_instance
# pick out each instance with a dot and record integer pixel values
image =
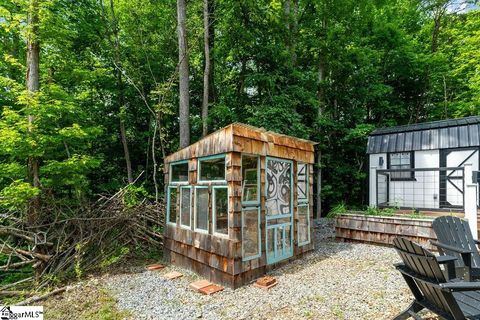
(250, 179)
(302, 182)
(201, 209)
(303, 225)
(271, 242)
(401, 160)
(250, 233)
(185, 206)
(172, 205)
(288, 239)
(279, 186)
(179, 172)
(212, 169)
(220, 210)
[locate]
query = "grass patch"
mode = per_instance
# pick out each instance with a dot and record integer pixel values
(88, 302)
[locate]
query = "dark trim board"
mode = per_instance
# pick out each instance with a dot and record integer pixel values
(443, 153)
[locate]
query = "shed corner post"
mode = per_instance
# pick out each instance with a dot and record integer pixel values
(372, 187)
(470, 201)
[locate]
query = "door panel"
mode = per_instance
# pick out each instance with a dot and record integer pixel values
(452, 181)
(279, 209)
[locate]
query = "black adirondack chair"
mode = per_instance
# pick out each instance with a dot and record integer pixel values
(455, 239)
(422, 272)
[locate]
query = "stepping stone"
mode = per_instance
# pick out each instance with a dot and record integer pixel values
(197, 285)
(155, 266)
(266, 282)
(211, 289)
(172, 275)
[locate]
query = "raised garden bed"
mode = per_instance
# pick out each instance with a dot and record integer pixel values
(382, 230)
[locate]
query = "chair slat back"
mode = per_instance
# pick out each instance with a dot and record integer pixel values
(427, 274)
(456, 232)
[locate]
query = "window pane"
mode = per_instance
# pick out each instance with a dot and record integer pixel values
(249, 178)
(179, 172)
(401, 160)
(303, 224)
(212, 169)
(270, 242)
(279, 187)
(302, 182)
(250, 232)
(288, 239)
(172, 209)
(221, 210)
(201, 210)
(185, 207)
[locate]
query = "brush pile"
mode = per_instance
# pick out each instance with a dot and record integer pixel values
(70, 242)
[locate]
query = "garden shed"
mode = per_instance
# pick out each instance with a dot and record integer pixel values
(425, 166)
(239, 202)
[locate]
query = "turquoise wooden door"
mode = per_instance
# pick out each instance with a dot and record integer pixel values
(279, 209)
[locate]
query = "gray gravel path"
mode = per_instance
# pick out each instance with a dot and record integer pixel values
(337, 281)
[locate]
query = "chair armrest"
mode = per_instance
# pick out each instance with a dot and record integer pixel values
(445, 259)
(461, 286)
(450, 248)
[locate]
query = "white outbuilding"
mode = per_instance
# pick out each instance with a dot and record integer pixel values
(426, 166)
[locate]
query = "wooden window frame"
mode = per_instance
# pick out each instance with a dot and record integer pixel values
(306, 200)
(195, 213)
(307, 205)
(256, 202)
(259, 235)
(169, 205)
(189, 227)
(214, 213)
(171, 164)
(199, 169)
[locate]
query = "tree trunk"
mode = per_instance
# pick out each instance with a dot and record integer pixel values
(121, 96)
(211, 39)
(33, 85)
(321, 107)
(206, 73)
(184, 111)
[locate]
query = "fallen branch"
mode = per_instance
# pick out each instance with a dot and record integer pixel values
(14, 293)
(42, 297)
(12, 285)
(16, 265)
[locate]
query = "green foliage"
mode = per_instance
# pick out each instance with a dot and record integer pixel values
(331, 72)
(133, 195)
(117, 256)
(373, 211)
(337, 210)
(16, 195)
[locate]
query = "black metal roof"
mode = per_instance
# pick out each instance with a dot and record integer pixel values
(444, 134)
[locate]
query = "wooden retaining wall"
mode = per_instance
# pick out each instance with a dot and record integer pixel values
(382, 230)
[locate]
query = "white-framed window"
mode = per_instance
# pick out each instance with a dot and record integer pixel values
(302, 182)
(201, 209)
(251, 236)
(172, 211)
(303, 204)
(178, 172)
(401, 160)
(303, 224)
(250, 180)
(212, 169)
(220, 212)
(185, 206)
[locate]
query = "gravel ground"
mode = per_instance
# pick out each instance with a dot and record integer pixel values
(336, 281)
